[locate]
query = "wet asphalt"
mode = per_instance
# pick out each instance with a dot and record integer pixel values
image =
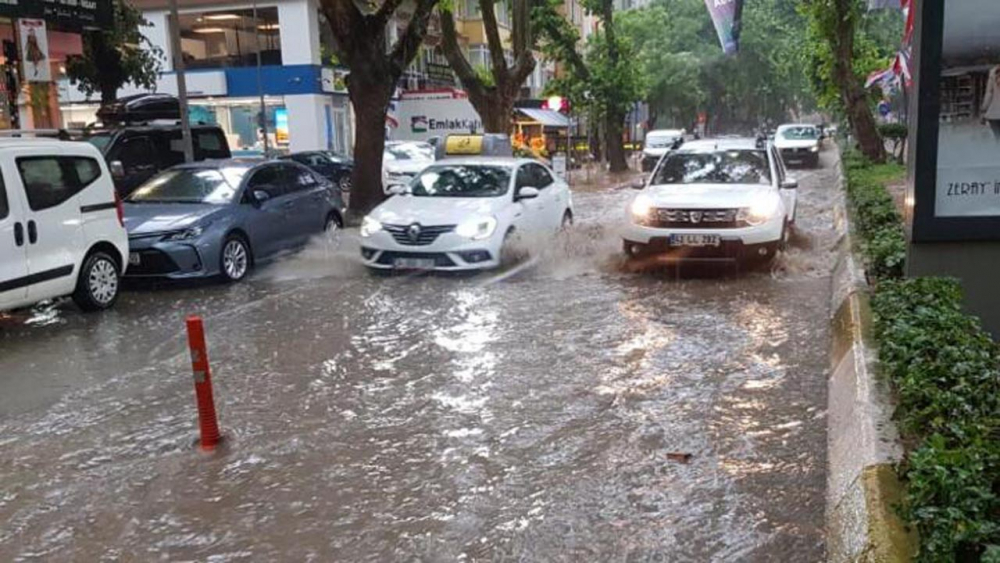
(567, 410)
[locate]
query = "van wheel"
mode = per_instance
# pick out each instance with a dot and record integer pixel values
(98, 284)
(235, 260)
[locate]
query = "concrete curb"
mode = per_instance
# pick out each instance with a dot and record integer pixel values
(863, 444)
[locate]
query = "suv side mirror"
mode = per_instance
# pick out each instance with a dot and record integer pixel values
(790, 184)
(527, 192)
(117, 169)
(637, 184)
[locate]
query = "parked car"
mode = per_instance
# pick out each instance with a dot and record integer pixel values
(61, 229)
(711, 201)
(136, 153)
(220, 218)
(657, 144)
(799, 144)
(332, 166)
(403, 160)
(462, 214)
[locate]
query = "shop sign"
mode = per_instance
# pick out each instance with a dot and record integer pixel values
(34, 50)
(66, 15)
(956, 171)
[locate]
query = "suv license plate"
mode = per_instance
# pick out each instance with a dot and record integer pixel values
(695, 240)
(414, 263)
(134, 259)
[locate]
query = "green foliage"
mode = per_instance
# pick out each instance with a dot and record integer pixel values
(944, 368)
(117, 56)
(875, 216)
(946, 373)
(894, 131)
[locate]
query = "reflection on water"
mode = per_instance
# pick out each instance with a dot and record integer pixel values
(535, 418)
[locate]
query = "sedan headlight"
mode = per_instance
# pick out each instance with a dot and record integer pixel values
(369, 226)
(760, 212)
(478, 228)
(641, 209)
(186, 234)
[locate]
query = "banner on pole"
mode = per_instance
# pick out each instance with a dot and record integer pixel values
(727, 15)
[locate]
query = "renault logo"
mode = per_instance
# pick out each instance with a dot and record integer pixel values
(413, 232)
(696, 216)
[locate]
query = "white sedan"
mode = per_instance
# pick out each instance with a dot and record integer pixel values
(458, 214)
(714, 200)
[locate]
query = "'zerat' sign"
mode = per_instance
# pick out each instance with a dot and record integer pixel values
(727, 15)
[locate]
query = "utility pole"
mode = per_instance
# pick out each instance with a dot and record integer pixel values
(260, 81)
(178, 58)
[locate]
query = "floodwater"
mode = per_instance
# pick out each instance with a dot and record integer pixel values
(564, 411)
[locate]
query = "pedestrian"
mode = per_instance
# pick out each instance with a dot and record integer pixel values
(990, 110)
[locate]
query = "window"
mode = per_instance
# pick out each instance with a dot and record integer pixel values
(208, 142)
(137, 151)
(717, 167)
(4, 208)
(266, 179)
(542, 177)
(50, 181)
(230, 38)
(297, 179)
(187, 185)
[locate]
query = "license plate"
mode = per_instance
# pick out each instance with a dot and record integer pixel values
(134, 259)
(414, 263)
(695, 240)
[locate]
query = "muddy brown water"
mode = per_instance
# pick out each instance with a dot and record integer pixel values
(533, 415)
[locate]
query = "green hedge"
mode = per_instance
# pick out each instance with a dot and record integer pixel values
(944, 369)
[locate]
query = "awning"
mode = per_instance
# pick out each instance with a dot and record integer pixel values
(546, 117)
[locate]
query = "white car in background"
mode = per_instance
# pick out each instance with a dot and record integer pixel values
(463, 213)
(402, 160)
(657, 144)
(714, 200)
(799, 143)
(61, 225)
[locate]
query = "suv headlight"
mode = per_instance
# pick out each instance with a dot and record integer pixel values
(369, 226)
(814, 148)
(478, 228)
(641, 209)
(186, 234)
(760, 212)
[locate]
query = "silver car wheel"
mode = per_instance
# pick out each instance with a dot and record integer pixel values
(235, 259)
(102, 280)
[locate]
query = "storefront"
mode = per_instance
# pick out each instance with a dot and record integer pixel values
(37, 36)
(305, 102)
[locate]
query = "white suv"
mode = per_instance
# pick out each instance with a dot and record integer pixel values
(61, 230)
(714, 200)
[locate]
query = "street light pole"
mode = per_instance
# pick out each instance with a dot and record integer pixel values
(260, 80)
(178, 58)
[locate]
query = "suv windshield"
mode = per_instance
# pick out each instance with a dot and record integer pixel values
(661, 141)
(190, 185)
(719, 167)
(99, 140)
(461, 181)
(800, 133)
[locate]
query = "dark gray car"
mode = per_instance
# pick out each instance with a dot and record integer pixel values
(221, 217)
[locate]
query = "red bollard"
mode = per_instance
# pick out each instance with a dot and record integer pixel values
(207, 421)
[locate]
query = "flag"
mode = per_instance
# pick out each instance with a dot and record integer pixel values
(727, 15)
(880, 76)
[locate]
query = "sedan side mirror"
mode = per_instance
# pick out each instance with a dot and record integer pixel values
(637, 184)
(117, 169)
(260, 196)
(790, 184)
(527, 192)
(397, 189)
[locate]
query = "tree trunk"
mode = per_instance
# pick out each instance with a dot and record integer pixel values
(613, 141)
(855, 98)
(370, 97)
(494, 109)
(109, 93)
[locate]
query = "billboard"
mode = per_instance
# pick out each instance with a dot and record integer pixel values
(727, 15)
(34, 50)
(435, 114)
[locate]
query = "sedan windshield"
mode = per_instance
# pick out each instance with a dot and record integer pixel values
(661, 141)
(190, 185)
(800, 133)
(719, 167)
(461, 181)
(410, 151)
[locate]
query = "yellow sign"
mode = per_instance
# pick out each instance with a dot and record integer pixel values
(464, 144)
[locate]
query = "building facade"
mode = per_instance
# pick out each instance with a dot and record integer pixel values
(304, 96)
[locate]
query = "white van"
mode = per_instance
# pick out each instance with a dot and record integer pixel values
(61, 228)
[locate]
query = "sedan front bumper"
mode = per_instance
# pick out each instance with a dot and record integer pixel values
(150, 257)
(448, 253)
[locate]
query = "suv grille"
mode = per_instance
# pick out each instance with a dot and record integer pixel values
(695, 218)
(416, 234)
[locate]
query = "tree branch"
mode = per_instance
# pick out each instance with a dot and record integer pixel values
(406, 47)
(523, 67)
(385, 11)
(493, 40)
(453, 52)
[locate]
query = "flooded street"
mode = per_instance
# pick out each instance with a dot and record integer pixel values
(564, 411)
